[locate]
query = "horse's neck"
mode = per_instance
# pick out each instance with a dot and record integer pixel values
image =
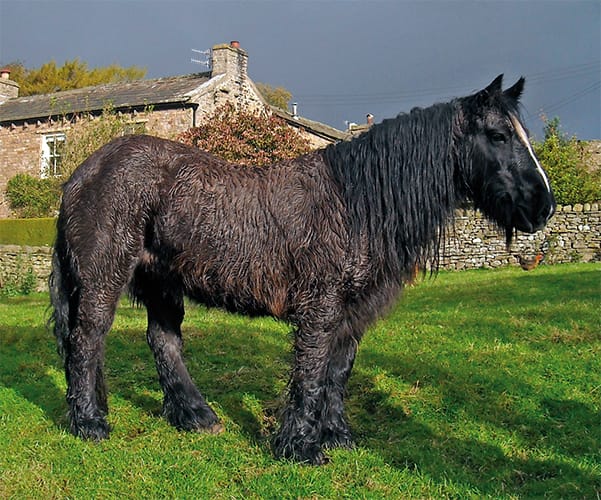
(398, 185)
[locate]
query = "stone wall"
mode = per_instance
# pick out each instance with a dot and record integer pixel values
(17, 261)
(21, 153)
(573, 235)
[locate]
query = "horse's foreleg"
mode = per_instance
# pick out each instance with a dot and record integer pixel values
(299, 435)
(335, 431)
(183, 406)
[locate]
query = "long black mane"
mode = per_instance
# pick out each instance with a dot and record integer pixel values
(398, 185)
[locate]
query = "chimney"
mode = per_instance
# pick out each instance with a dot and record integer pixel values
(295, 110)
(370, 119)
(8, 88)
(229, 59)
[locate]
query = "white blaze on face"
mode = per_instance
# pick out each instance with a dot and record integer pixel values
(526, 142)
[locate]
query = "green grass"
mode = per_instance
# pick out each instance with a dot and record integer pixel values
(479, 384)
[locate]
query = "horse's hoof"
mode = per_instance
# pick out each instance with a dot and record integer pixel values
(199, 419)
(312, 455)
(320, 458)
(217, 428)
(338, 441)
(92, 429)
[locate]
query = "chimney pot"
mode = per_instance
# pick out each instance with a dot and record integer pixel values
(370, 119)
(8, 88)
(235, 44)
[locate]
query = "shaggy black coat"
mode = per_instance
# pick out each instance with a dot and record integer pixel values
(324, 241)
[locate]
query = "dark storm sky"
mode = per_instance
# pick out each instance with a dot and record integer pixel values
(340, 59)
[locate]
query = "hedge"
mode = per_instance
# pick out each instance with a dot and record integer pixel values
(28, 232)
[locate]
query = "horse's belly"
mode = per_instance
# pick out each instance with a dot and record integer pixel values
(231, 302)
(237, 284)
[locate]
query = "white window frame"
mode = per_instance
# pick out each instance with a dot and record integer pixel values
(50, 156)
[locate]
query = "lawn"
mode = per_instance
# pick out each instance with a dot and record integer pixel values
(478, 384)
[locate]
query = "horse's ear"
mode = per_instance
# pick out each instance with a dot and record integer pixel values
(516, 91)
(496, 85)
(494, 88)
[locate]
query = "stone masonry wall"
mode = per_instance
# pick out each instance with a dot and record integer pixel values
(573, 235)
(20, 153)
(17, 261)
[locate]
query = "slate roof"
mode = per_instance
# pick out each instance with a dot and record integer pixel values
(161, 92)
(317, 128)
(135, 94)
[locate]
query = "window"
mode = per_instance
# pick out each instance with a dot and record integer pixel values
(52, 147)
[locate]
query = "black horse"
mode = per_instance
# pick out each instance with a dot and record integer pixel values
(324, 241)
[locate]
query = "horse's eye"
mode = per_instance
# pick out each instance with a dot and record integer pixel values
(497, 137)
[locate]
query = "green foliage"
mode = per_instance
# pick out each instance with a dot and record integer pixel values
(28, 232)
(566, 161)
(276, 96)
(245, 137)
(479, 384)
(72, 74)
(32, 197)
(92, 132)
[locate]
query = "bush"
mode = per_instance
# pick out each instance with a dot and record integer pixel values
(28, 232)
(573, 178)
(275, 96)
(245, 137)
(32, 197)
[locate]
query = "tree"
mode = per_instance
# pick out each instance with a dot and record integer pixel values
(568, 165)
(275, 96)
(246, 137)
(72, 74)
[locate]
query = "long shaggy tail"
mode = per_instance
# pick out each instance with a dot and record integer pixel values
(59, 301)
(64, 294)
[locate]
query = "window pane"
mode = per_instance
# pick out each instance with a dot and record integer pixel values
(52, 148)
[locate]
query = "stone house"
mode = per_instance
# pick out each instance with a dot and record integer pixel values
(32, 128)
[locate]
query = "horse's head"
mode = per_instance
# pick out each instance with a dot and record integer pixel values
(503, 176)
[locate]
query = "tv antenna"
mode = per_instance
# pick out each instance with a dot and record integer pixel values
(206, 58)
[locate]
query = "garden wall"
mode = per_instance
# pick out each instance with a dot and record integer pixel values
(573, 235)
(17, 261)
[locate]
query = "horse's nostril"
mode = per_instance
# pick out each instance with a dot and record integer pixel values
(543, 215)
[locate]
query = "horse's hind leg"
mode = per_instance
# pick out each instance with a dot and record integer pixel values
(183, 406)
(84, 354)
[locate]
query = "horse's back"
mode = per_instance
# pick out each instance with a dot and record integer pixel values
(132, 163)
